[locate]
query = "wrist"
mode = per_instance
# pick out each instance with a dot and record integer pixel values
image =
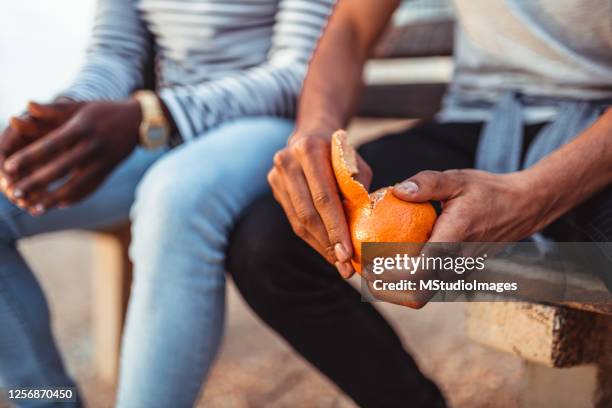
(321, 132)
(133, 110)
(133, 116)
(544, 197)
(316, 125)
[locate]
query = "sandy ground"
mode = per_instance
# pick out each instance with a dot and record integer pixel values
(256, 368)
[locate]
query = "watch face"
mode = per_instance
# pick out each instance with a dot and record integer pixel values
(156, 135)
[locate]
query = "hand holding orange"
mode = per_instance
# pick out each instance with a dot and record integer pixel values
(379, 216)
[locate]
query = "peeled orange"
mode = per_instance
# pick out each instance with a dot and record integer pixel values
(380, 216)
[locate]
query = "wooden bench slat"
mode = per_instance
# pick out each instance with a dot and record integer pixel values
(402, 100)
(417, 39)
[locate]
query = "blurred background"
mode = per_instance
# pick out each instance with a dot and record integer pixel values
(42, 44)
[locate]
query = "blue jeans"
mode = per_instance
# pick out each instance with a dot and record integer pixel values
(183, 204)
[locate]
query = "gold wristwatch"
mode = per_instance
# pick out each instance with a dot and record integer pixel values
(154, 129)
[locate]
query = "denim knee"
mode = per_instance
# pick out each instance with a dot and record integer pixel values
(7, 233)
(176, 211)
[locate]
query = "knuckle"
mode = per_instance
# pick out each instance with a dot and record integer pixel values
(94, 145)
(429, 179)
(82, 123)
(298, 229)
(272, 177)
(456, 174)
(465, 230)
(19, 162)
(335, 233)
(48, 145)
(427, 175)
(306, 217)
(278, 198)
(307, 145)
(59, 169)
(280, 159)
(322, 199)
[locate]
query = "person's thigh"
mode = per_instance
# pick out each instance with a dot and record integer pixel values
(185, 207)
(198, 189)
(427, 146)
(107, 206)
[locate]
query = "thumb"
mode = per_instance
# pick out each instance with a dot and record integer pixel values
(428, 186)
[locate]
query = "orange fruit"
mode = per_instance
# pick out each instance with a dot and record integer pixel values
(379, 216)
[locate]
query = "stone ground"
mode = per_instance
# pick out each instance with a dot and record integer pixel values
(257, 369)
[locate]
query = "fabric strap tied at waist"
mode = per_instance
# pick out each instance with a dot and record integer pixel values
(501, 141)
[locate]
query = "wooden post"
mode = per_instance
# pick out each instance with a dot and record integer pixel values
(112, 276)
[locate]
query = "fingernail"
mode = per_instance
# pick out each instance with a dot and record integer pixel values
(17, 193)
(9, 166)
(408, 187)
(38, 209)
(342, 254)
(345, 270)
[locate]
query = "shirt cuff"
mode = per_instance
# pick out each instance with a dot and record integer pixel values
(182, 121)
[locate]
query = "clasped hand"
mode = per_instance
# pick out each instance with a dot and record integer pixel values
(55, 155)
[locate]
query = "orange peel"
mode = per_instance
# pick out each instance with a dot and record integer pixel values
(379, 216)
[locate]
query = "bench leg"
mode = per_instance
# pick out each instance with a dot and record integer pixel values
(112, 276)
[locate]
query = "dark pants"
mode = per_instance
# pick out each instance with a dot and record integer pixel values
(304, 299)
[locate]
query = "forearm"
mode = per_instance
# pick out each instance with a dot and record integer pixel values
(334, 80)
(575, 172)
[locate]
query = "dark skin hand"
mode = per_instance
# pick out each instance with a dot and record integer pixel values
(26, 129)
(303, 169)
(77, 143)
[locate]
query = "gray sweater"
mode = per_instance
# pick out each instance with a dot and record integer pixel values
(538, 48)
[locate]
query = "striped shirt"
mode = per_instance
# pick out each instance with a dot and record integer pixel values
(215, 60)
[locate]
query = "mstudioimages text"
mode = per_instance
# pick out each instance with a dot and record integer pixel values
(439, 285)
